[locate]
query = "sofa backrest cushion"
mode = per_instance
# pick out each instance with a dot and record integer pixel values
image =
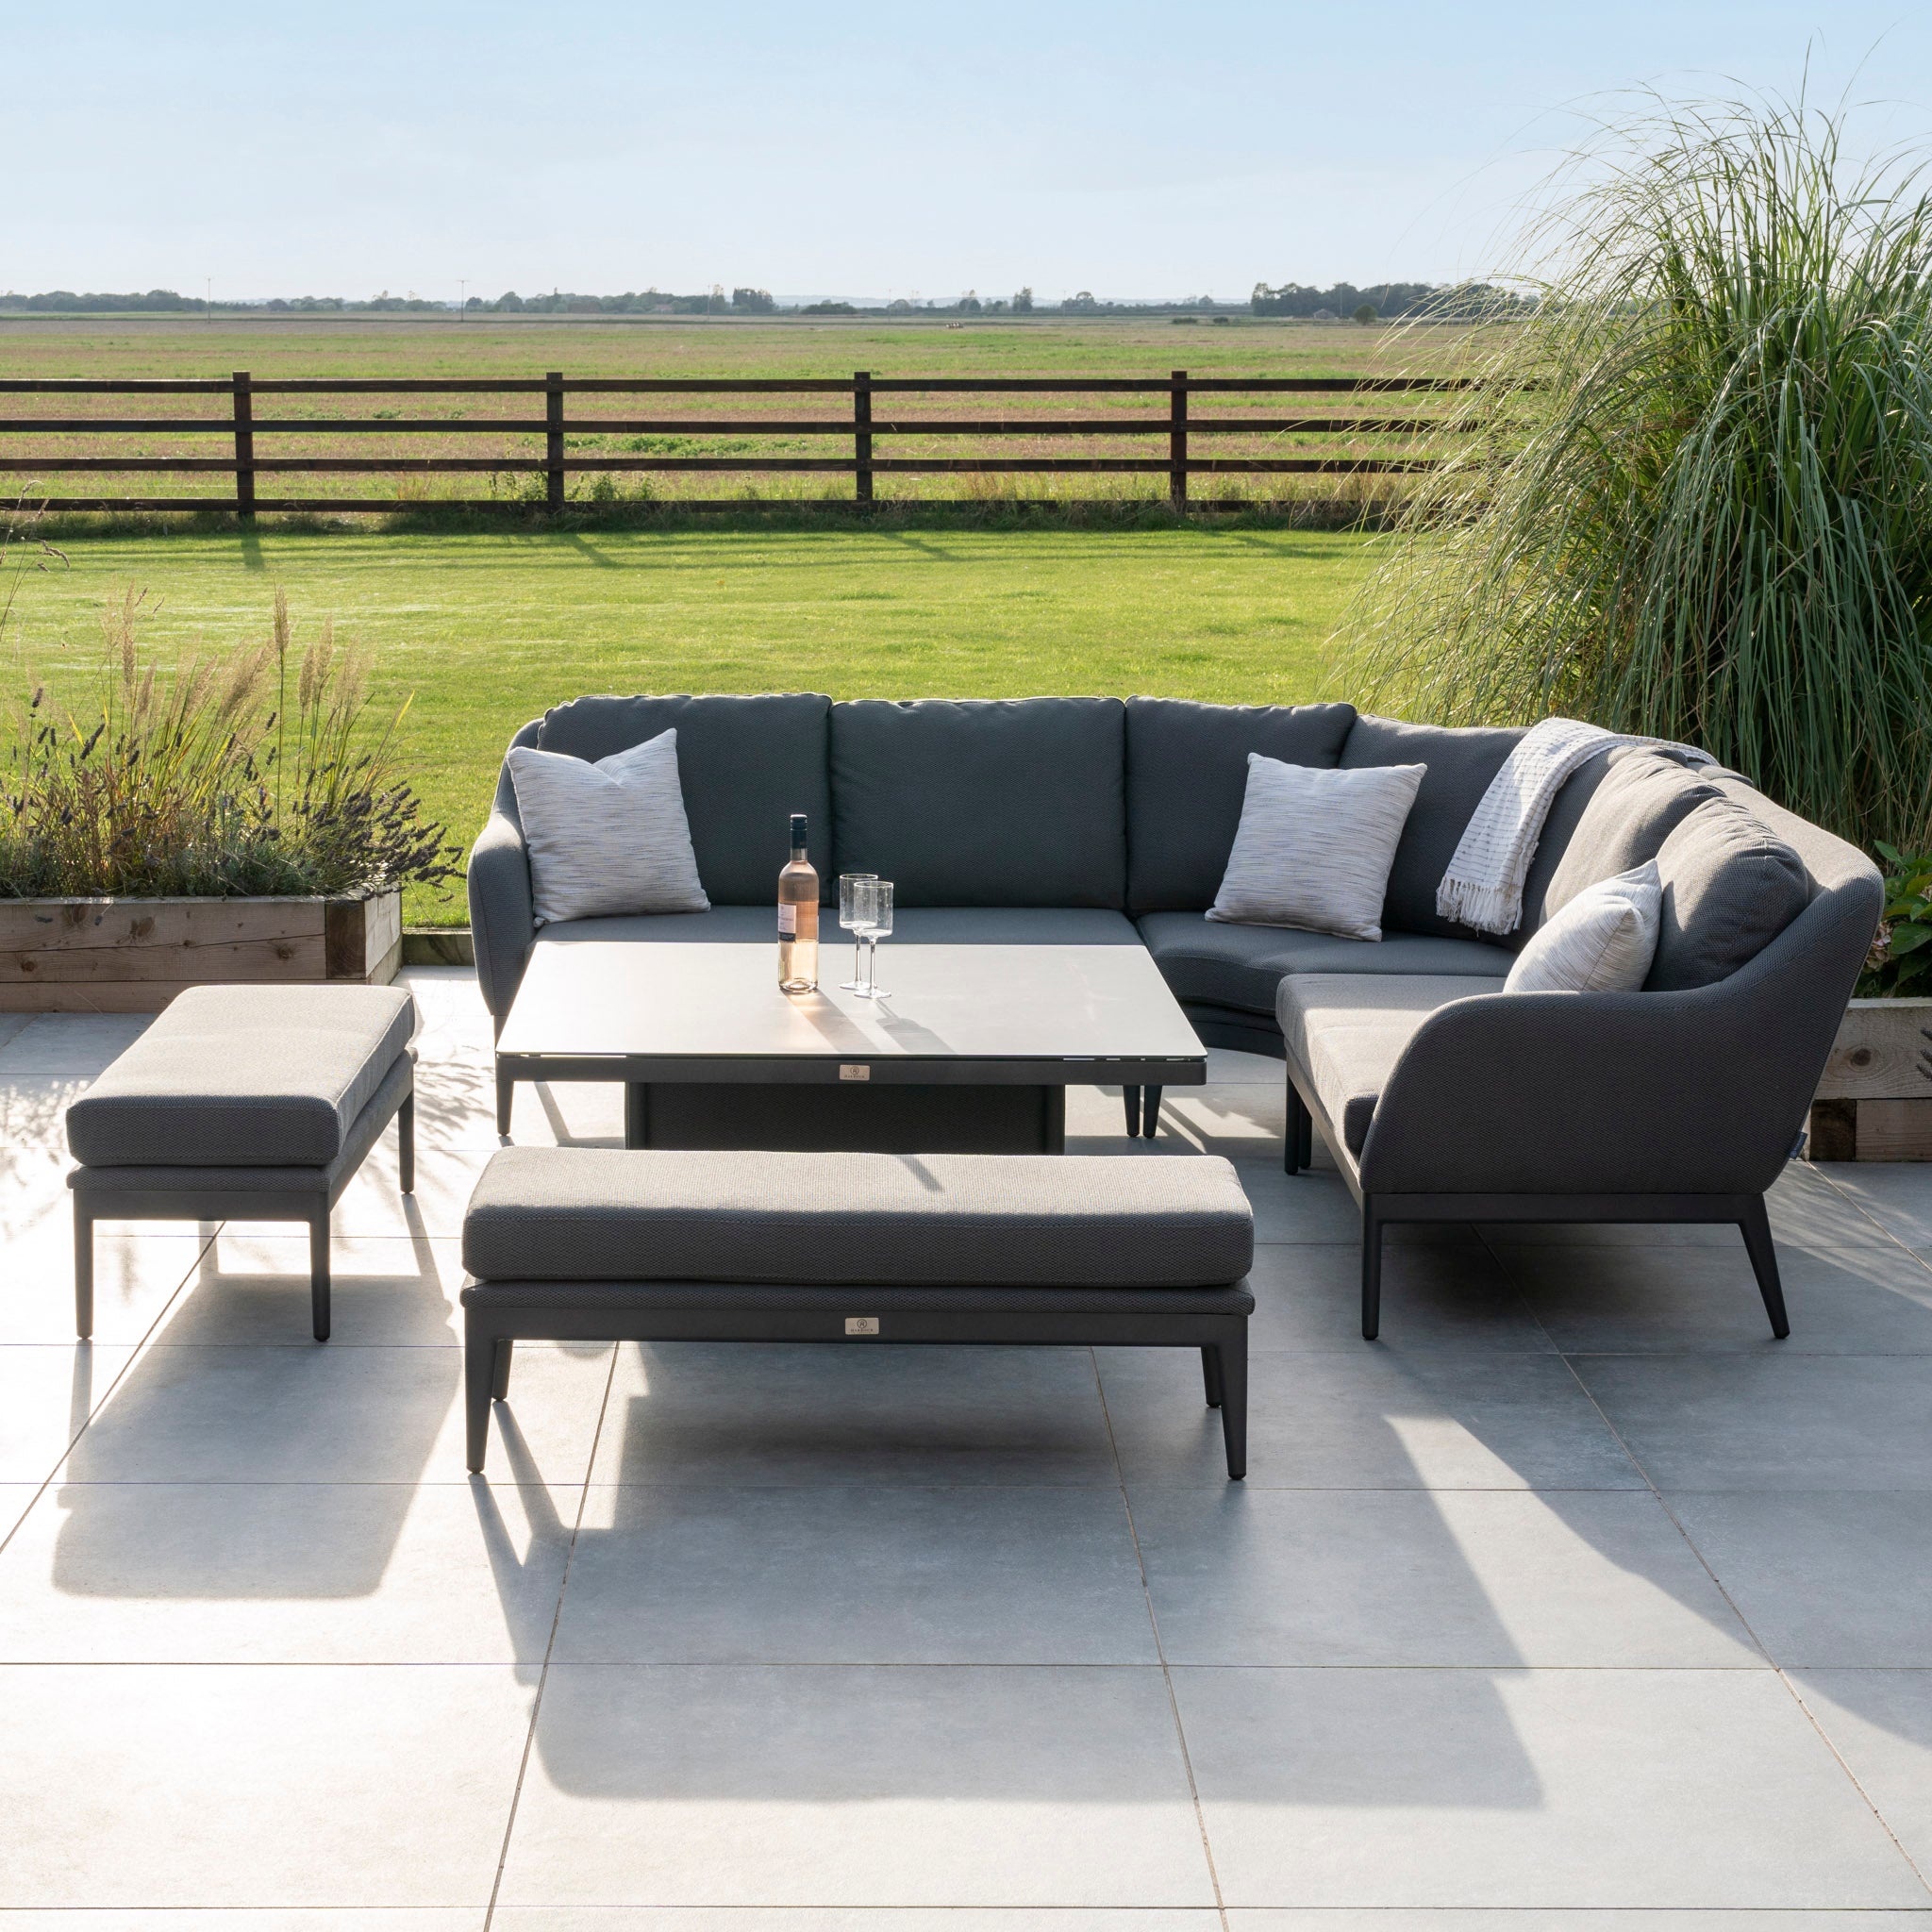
(745, 763)
(1731, 886)
(1643, 797)
(984, 802)
(1461, 762)
(1186, 776)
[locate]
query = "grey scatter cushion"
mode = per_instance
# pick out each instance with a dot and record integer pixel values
(607, 837)
(1602, 942)
(1314, 847)
(1731, 886)
(1645, 795)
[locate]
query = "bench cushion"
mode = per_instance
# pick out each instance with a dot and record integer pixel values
(1347, 1030)
(969, 1220)
(244, 1077)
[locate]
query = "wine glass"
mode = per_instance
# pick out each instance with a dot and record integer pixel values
(873, 904)
(849, 883)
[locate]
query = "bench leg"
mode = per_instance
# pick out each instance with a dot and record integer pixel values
(1232, 1357)
(1297, 1142)
(479, 1375)
(317, 1271)
(1210, 1376)
(506, 1098)
(1132, 1096)
(1756, 1227)
(406, 1144)
(637, 1114)
(499, 1380)
(1150, 1112)
(83, 1269)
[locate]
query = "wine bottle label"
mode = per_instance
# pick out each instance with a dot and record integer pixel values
(787, 922)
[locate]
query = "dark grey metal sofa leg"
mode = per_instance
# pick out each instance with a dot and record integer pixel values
(499, 1380)
(317, 1271)
(1131, 1095)
(1150, 1111)
(1297, 1147)
(1372, 1269)
(406, 1145)
(83, 1269)
(506, 1098)
(479, 1375)
(1210, 1376)
(1755, 1223)
(1233, 1359)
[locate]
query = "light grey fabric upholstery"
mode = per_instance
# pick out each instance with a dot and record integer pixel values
(984, 802)
(1730, 887)
(1643, 796)
(1242, 966)
(746, 765)
(1603, 941)
(920, 926)
(1314, 847)
(244, 1077)
(1566, 813)
(1460, 766)
(1348, 1030)
(558, 1213)
(1187, 776)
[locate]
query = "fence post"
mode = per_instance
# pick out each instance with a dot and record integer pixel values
(553, 440)
(861, 434)
(245, 449)
(1178, 442)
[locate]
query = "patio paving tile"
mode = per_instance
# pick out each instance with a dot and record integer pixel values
(1790, 1423)
(847, 1918)
(1897, 1196)
(256, 1785)
(270, 1572)
(47, 1391)
(246, 1919)
(1581, 1918)
(906, 1787)
(1528, 1788)
(1880, 1721)
(138, 1268)
(1487, 1578)
(70, 1044)
(752, 1416)
(1822, 1579)
(883, 1575)
(1377, 1418)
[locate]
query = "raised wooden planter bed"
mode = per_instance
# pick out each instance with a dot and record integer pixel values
(133, 955)
(1874, 1102)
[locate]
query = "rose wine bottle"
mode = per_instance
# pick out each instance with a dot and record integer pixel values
(798, 918)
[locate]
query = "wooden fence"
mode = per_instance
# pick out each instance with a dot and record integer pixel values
(872, 420)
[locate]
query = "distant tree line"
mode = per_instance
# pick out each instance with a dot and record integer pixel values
(1385, 301)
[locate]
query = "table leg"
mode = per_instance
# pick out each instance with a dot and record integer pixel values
(1054, 1100)
(637, 1114)
(1132, 1096)
(1150, 1111)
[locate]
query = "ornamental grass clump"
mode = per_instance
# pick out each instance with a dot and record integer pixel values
(257, 772)
(1697, 502)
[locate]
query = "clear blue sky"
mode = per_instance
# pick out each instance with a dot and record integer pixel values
(1132, 149)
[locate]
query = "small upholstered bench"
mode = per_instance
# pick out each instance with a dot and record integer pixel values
(256, 1102)
(580, 1243)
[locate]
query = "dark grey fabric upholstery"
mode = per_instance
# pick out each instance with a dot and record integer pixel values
(1242, 966)
(984, 802)
(244, 1077)
(1346, 1031)
(558, 1213)
(1460, 766)
(618, 1297)
(1643, 797)
(503, 919)
(1566, 813)
(1187, 776)
(1730, 887)
(922, 925)
(744, 763)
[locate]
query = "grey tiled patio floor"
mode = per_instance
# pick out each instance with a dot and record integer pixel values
(1575, 1593)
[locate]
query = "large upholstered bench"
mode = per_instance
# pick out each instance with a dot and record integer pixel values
(598, 1244)
(256, 1102)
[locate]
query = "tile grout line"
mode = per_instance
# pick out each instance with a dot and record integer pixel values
(1160, 1648)
(1745, 1623)
(516, 1795)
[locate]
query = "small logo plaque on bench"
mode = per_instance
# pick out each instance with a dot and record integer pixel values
(847, 1071)
(861, 1324)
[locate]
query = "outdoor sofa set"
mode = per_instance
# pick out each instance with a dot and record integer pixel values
(1066, 825)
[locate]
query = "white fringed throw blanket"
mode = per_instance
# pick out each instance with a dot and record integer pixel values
(1483, 887)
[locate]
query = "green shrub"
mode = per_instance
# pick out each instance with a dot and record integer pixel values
(1697, 500)
(1900, 965)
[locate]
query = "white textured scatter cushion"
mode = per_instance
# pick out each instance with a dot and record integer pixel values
(606, 839)
(1602, 942)
(1314, 846)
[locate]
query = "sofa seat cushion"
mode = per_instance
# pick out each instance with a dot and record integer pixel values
(919, 925)
(244, 1077)
(969, 1220)
(1242, 966)
(1010, 802)
(1347, 1030)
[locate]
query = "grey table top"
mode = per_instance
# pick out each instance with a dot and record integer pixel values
(1058, 1007)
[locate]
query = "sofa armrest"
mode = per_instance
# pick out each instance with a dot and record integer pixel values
(502, 923)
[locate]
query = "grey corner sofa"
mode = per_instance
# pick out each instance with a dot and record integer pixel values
(1107, 822)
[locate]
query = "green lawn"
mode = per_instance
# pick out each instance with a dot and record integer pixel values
(487, 630)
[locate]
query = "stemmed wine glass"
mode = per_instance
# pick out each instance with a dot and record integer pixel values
(872, 906)
(849, 883)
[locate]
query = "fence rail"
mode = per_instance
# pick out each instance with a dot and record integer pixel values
(865, 426)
